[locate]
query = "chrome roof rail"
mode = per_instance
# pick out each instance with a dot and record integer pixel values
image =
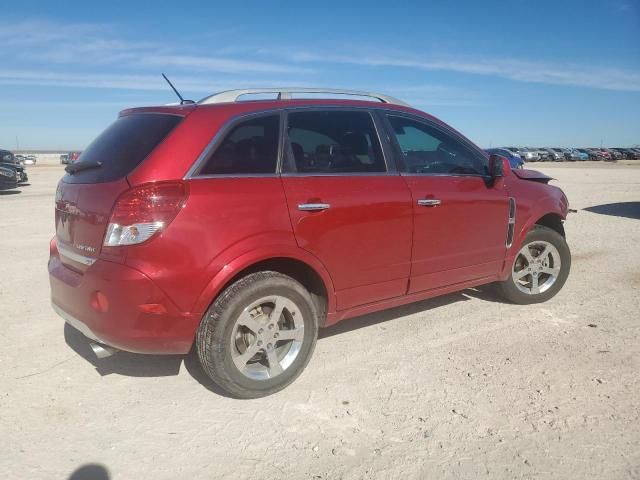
(286, 94)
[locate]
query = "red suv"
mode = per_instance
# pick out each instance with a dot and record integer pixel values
(246, 225)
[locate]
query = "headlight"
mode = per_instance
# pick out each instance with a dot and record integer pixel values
(7, 173)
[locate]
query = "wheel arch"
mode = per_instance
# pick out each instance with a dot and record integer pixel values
(299, 265)
(552, 221)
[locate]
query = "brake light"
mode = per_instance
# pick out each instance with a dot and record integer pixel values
(143, 211)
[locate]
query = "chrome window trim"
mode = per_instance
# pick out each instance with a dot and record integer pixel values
(338, 174)
(236, 175)
(476, 175)
(76, 257)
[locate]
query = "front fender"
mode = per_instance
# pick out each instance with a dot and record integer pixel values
(533, 201)
(231, 266)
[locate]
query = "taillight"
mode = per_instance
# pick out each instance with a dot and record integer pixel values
(143, 211)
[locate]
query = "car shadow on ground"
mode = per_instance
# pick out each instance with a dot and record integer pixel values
(90, 471)
(9, 192)
(137, 365)
(621, 209)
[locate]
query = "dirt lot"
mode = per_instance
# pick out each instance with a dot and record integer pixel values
(458, 387)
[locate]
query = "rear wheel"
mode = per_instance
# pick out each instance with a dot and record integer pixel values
(540, 268)
(258, 335)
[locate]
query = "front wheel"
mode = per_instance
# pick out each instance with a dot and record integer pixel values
(258, 335)
(540, 268)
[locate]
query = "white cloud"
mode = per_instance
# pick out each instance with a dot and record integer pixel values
(216, 64)
(518, 70)
(122, 81)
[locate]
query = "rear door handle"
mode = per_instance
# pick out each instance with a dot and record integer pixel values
(313, 207)
(429, 202)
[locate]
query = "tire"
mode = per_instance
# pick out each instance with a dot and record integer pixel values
(537, 280)
(241, 347)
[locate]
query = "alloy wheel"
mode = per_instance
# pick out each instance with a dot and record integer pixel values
(267, 337)
(536, 267)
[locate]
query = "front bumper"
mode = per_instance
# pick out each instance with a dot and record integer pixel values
(121, 321)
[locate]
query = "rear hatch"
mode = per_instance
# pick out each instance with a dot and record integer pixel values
(87, 193)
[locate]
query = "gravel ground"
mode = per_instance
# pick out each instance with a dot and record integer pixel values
(462, 386)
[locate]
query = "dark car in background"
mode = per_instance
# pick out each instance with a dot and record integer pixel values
(514, 160)
(627, 153)
(8, 178)
(10, 161)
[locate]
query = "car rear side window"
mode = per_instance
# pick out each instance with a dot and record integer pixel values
(123, 146)
(333, 142)
(429, 150)
(250, 148)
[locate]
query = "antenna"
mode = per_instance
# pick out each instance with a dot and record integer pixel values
(182, 100)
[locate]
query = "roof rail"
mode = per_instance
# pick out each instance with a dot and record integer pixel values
(286, 94)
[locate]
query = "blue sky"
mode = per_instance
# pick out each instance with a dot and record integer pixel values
(514, 72)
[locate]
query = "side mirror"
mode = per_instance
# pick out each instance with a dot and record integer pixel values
(496, 166)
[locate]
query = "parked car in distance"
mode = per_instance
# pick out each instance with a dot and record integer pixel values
(582, 156)
(543, 154)
(569, 155)
(8, 160)
(559, 154)
(627, 153)
(555, 154)
(73, 156)
(282, 216)
(604, 154)
(8, 178)
(30, 159)
(590, 155)
(514, 160)
(64, 159)
(528, 155)
(615, 154)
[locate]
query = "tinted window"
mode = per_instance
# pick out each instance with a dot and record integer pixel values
(123, 146)
(251, 147)
(428, 150)
(333, 142)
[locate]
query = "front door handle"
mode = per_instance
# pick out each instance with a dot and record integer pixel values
(313, 207)
(429, 202)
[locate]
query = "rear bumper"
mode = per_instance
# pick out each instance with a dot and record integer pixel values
(120, 322)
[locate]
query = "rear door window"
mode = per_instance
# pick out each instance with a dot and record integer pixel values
(325, 142)
(250, 148)
(123, 146)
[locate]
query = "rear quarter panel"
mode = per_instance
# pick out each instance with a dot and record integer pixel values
(223, 219)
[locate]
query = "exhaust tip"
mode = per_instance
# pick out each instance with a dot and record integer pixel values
(102, 351)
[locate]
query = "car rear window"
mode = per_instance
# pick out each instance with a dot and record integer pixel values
(123, 146)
